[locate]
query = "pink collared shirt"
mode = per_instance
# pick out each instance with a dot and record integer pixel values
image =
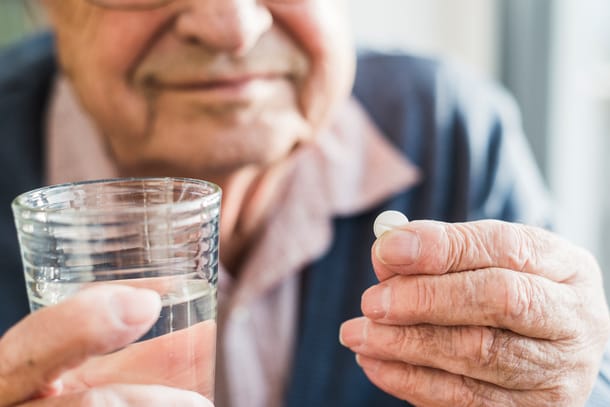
(350, 168)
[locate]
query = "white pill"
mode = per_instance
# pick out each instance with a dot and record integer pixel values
(388, 220)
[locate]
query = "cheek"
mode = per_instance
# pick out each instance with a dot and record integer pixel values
(99, 54)
(316, 24)
(223, 141)
(105, 40)
(321, 28)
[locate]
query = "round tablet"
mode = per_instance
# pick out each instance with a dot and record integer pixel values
(388, 220)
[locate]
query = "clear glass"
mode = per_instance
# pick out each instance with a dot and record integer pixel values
(156, 233)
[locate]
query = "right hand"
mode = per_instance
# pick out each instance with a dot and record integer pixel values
(39, 353)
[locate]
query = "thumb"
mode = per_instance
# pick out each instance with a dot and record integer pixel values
(36, 351)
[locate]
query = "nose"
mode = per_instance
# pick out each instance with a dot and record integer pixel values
(224, 25)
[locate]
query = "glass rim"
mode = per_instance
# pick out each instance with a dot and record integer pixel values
(20, 206)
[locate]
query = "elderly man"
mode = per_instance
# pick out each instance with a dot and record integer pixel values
(255, 96)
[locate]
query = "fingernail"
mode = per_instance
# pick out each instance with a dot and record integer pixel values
(368, 364)
(353, 333)
(136, 306)
(376, 301)
(398, 247)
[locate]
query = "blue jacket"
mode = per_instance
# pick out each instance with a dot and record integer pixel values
(463, 135)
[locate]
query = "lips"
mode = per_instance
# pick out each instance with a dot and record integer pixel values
(216, 84)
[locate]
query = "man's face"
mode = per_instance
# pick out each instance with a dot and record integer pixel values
(206, 86)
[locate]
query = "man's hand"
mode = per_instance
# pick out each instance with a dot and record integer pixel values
(482, 313)
(53, 357)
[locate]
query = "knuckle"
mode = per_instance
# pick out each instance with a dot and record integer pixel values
(398, 342)
(424, 295)
(560, 396)
(407, 381)
(462, 394)
(468, 241)
(520, 298)
(474, 393)
(503, 355)
(528, 241)
(489, 347)
(457, 244)
(419, 343)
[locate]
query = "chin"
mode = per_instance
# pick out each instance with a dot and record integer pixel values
(205, 145)
(232, 163)
(212, 160)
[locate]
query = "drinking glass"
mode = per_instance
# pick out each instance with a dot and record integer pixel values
(155, 233)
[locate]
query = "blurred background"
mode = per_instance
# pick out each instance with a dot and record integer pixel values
(552, 55)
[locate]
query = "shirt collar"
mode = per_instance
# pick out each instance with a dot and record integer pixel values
(360, 165)
(351, 167)
(74, 151)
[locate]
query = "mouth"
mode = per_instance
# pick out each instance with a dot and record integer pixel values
(235, 90)
(238, 84)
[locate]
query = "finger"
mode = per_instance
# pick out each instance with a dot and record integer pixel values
(95, 321)
(490, 355)
(425, 387)
(183, 359)
(426, 247)
(422, 386)
(126, 395)
(523, 303)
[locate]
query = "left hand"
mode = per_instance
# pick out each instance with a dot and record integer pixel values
(481, 313)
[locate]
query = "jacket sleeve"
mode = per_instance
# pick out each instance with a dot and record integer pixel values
(499, 173)
(464, 134)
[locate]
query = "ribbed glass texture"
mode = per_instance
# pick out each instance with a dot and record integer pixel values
(156, 233)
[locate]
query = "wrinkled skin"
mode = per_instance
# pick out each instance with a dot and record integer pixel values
(483, 313)
(148, 78)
